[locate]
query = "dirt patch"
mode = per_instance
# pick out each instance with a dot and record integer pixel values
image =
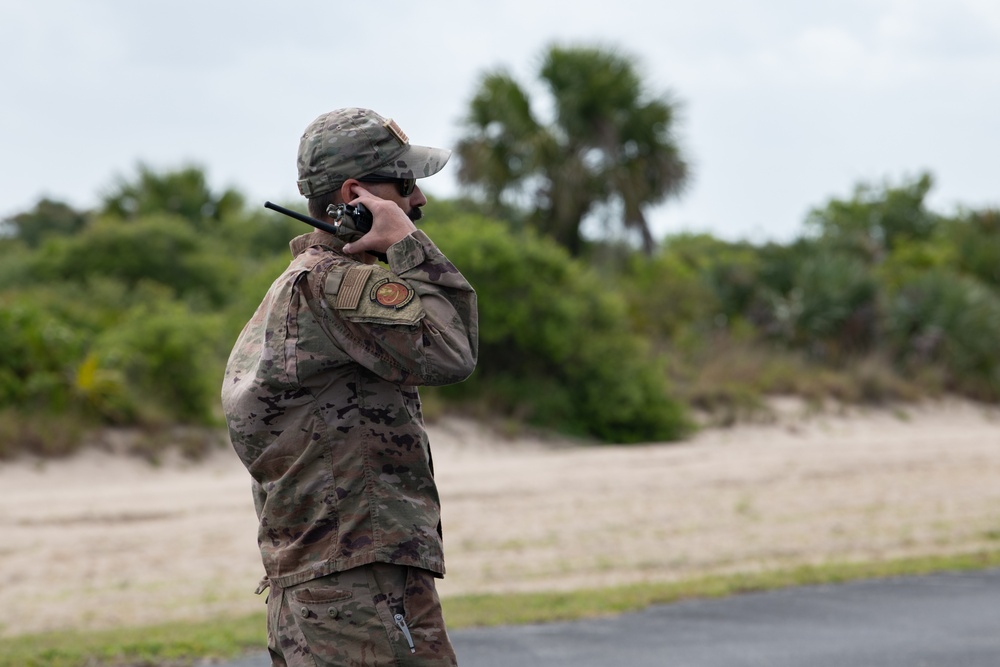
(101, 540)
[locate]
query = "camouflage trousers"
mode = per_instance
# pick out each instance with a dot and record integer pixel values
(371, 616)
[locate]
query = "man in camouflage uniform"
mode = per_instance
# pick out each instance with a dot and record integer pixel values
(321, 402)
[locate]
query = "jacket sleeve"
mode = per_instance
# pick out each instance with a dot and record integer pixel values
(413, 324)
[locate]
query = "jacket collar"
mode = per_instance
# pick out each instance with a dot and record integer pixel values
(300, 244)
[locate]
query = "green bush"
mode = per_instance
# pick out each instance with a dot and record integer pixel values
(49, 218)
(876, 218)
(38, 352)
(261, 233)
(128, 318)
(941, 318)
(153, 361)
(167, 357)
(975, 238)
(556, 347)
(41, 410)
(184, 193)
(163, 249)
(667, 293)
(837, 306)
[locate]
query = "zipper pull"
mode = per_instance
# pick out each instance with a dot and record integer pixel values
(401, 624)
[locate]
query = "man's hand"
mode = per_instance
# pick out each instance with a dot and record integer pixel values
(389, 224)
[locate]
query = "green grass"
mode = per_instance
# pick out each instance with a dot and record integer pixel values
(172, 644)
(181, 644)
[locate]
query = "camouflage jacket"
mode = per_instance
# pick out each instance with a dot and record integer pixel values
(321, 402)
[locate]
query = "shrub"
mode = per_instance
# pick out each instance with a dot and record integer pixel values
(939, 317)
(555, 342)
(167, 358)
(162, 249)
(38, 352)
(975, 238)
(837, 309)
(666, 293)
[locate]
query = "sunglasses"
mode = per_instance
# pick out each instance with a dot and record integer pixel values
(405, 185)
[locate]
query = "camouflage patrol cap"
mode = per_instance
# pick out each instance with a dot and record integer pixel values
(353, 142)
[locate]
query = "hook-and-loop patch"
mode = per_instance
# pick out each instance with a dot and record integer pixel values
(369, 293)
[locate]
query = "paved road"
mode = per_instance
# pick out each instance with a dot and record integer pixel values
(946, 620)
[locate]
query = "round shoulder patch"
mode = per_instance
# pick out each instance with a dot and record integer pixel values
(391, 294)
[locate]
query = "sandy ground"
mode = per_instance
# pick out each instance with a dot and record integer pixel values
(102, 540)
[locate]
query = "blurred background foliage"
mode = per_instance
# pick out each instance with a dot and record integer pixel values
(123, 316)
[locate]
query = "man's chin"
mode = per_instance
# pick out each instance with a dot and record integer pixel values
(415, 214)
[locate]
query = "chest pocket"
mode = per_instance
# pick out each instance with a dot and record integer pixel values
(372, 294)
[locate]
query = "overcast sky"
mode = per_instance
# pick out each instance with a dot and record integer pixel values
(785, 103)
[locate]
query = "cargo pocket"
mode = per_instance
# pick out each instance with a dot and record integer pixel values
(337, 617)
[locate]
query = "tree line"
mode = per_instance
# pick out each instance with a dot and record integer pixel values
(124, 315)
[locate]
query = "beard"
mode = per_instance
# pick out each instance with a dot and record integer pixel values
(415, 214)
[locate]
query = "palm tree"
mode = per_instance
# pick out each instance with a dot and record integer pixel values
(608, 142)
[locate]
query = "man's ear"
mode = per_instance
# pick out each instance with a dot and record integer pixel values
(347, 189)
